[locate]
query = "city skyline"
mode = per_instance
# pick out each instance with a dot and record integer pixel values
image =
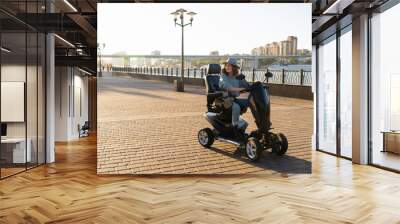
(287, 47)
(140, 29)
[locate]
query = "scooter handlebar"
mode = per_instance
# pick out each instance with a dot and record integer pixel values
(248, 89)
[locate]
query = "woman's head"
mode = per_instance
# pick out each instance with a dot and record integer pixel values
(230, 69)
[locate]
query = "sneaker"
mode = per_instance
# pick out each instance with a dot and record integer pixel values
(239, 135)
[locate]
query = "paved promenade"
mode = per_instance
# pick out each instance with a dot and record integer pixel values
(145, 127)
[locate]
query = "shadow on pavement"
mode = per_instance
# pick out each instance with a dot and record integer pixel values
(282, 164)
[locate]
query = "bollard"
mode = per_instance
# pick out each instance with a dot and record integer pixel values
(283, 76)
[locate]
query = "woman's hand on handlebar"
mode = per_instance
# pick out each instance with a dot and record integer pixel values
(247, 89)
(244, 90)
(236, 89)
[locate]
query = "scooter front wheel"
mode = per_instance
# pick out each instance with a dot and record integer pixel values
(281, 145)
(253, 149)
(205, 137)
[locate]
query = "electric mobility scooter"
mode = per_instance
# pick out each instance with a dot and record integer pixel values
(220, 117)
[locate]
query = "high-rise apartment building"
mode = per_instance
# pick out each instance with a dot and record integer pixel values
(275, 49)
(285, 48)
(293, 44)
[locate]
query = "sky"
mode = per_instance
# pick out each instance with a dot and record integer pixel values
(140, 28)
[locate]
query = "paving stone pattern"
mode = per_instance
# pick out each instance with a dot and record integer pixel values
(145, 127)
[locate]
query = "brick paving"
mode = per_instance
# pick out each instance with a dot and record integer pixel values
(145, 127)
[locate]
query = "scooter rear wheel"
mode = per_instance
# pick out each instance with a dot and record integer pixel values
(205, 137)
(253, 149)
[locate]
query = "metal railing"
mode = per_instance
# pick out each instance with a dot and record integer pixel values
(281, 76)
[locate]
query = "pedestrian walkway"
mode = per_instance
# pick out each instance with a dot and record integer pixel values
(145, 127)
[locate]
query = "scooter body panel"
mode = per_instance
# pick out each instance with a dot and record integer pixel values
(260, 107)
(223, 129)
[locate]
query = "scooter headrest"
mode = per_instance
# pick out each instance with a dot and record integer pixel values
(213, 69)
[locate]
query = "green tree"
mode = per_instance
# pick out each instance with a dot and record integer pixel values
(293, 61)
(264, 62)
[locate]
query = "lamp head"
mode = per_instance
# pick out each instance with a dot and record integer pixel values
(175, 14)
(191, 14)
(181, 11)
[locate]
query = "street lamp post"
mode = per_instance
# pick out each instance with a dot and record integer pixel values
(181, 13)
(100, 47)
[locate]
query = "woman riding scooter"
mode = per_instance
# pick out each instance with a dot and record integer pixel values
(233, 86)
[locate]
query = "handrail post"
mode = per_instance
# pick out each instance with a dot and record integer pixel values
(267, 76)
(283, 76)
(194, 72)
(301, 77)
(254, 74)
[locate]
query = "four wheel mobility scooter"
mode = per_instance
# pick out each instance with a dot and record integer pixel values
(220, 117)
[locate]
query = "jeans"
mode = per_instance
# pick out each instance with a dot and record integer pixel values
(237, 106)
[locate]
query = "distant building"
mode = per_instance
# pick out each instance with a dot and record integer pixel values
(254, 51)
(214, 53)
(257, 51)
(267, 49)
(156, 53)
(261, 50)
(286, 47)
(303, 52)
(119, 62)
(292, 45)
(275, 49)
